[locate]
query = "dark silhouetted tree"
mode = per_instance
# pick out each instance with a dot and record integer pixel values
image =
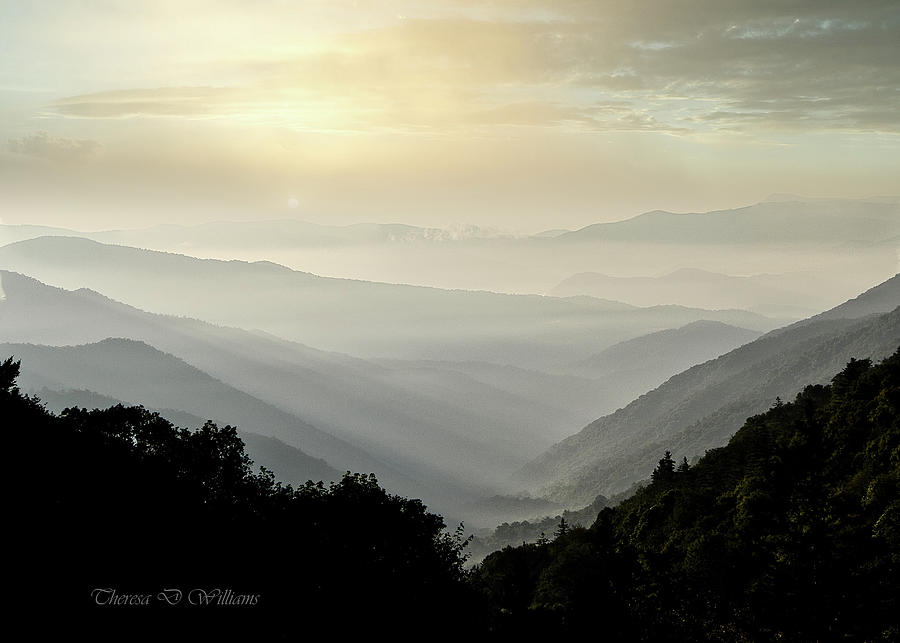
(665, 470)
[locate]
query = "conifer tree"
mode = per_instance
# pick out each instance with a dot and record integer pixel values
(665, 470)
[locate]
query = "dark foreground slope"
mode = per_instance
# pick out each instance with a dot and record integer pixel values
(134, 372)
(791, 532)
(131, 527)
(289, 464)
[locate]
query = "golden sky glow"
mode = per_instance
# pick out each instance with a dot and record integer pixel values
(519, 114)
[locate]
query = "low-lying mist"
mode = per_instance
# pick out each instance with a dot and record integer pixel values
(448, 362)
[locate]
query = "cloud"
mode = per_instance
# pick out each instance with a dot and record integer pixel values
(799, 65)
(163, 101)
(807, 64)
(43, 145)
(602, 117)
(693, 65)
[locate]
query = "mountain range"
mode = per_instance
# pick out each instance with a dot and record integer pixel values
(644, 360)
(450, 395)
(449, 432)
(839, 221)
(703, 406)
(790, 294)
(818, 252)
(362, 318)
(456, 434)
(780, 218)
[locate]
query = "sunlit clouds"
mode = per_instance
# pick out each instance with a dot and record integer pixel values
(521, 114)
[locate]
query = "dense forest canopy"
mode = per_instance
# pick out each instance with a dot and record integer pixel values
(122, 501)
(790, 532)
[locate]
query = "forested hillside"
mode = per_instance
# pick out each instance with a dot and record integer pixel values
(120, 503)
(289, 464)
(790, 532)
(703, 406)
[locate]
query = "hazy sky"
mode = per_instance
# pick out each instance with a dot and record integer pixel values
(523, 115)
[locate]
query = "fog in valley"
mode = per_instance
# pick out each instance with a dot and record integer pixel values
(455, 395)
(787, 257)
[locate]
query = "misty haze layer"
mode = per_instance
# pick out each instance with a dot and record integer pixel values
(788, 258)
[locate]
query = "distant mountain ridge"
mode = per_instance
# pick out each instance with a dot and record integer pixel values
(852, 243)
(268, 233)
(437, 433)
(792, 295)
(701, 407)
(831, 218)
(875, 300)
(830, 221)
(369, 319)
(671, 351)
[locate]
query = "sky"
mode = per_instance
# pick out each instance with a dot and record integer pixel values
(514, 114)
